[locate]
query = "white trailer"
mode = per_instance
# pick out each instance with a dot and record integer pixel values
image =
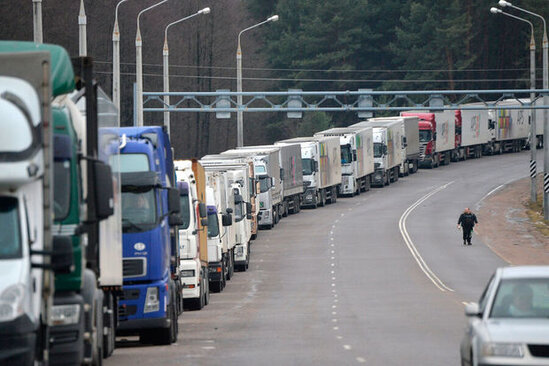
(357, 158)
(321, 160)
(474, 131)
(509, 128)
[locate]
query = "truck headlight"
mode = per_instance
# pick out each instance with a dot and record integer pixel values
(152, 303)
(503, 350)
(240, 251)
(187, 273)
(11, 303)
(65, 314)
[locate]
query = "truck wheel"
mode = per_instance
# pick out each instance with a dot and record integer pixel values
(334, 195)
(207, 290)
(98, 331)
(109, 321)
(396, 173)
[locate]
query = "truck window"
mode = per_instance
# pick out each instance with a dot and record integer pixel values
(139, 211)
(130, 163)
(307, 166)
(213, 225)
(378, 149)
(424, 135)
(185, 211)
(264, 184)
(15, 137)
(61, 189)
(238, 212)
(10, 233)
(346, 154)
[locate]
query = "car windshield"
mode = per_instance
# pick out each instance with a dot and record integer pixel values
(307, 166)
(424, 135)
(61, 188)
(522, 298)
(213, 225)
(264, 184)
(138, 211)
(185, 211)
(378, 149)
(346, 155)
(10, 233)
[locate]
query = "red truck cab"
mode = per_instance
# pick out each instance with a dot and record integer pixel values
(427, 138)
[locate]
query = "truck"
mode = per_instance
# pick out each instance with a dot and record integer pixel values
(321, 161)
(437, 137)
(357, 158)
(79, 329)
(387, 152)
(221, 238)
(152, 296)
(239, 189)
(410, 140)
(193, 236)
(474, 132)
(252, 185)
(267, 171)
(509, 129)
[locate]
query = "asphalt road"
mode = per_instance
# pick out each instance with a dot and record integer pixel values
(340, 285)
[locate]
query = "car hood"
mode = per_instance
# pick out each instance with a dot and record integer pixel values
(519, 330)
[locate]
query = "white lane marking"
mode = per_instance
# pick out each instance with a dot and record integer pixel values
(334, 312)
(332, 272)
(331, 233)
(492, 191)
(333, 278)
(339, 337)
(464, 303)
(336, 221)
(347, 347)
(342, 214)
(334, 306)
(360, 359)
(332, 244)
(333, 284)
(331, 239)
(336, 328)
(410, 244)
(334, 320)
(208, 347)
(333, 264)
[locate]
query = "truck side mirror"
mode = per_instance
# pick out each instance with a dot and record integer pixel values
(229, 210)
(315, 166)
(282, 173)
(104, 194)
(248, 210)
(354, 155)
(227, 219)
(174, 204)
(238, 198)
(175, 220)
(62, 258)
(435, 136)
(384, 149)
(404, 141)
(202, 210)
(204, 221)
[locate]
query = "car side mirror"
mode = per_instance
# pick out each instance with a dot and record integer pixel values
(175, 220)
(227, 219)
(202, 210)
(62, 258)
(472, 309)
(174, 203)
(104, 194)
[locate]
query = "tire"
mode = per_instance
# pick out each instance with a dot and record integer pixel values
(98, 334)
(207, 290)
(230, 272)
(333, 199)
(285, 209)
(396, 174)
(322, 198)
(109, 340)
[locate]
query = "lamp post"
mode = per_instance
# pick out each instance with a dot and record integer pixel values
(545, 47)
(37, 21)
(116, 61)
(139, 65)
(533, 191)
(166, 64)
(239, 113)
(82, 34)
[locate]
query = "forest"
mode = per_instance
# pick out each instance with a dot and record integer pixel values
(316, 45)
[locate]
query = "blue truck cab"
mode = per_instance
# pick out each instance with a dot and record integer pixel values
(152, 298)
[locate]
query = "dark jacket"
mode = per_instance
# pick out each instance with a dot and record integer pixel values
(467, 220)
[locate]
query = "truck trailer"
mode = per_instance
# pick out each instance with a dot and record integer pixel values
(387, 153)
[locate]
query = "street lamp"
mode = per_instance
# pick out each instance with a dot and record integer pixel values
(82, 32)
(533, 188)
(139, 65)
(545, 47)
(239, 113)
(116, 61)
(166, 62)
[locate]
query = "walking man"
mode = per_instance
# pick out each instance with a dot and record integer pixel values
(467, 221)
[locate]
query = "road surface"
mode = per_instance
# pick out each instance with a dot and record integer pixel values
(378, 279)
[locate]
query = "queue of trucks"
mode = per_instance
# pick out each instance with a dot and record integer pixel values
(104, 233)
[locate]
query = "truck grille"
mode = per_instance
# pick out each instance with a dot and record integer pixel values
(126, 310)
(134, 267)
(539, 350)
(422, 151)
(130, 294)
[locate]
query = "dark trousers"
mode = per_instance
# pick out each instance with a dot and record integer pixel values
(467, 230)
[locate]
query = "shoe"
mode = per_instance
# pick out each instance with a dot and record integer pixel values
(469, 243)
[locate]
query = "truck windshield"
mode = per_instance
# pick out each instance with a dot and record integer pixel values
(185, 211)
(61, 189)
(424, 135)
(308, 166)
(129, 163)
(378, 149)
(138, 211)
(238, 212)
(10, 233)
(264, 184)
(346, 155)
(213, 225)
(521, 298)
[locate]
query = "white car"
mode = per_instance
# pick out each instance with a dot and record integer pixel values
(510, 323)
